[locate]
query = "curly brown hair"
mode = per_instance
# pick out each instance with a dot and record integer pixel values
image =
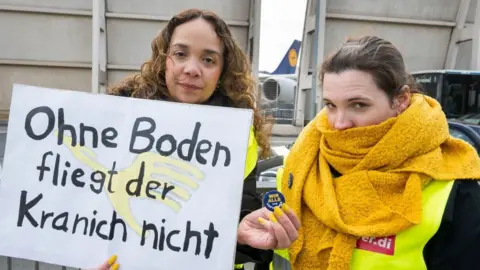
(236, 83)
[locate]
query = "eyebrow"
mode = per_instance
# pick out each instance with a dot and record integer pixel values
(184, 46)
(352, 99)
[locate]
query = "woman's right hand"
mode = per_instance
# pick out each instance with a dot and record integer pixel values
(263, 229)
(108, 264)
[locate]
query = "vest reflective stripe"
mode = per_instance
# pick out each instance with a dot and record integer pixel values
(409, 244)
(250, 163)
(252, 154)
(280, 259)
(279, 262)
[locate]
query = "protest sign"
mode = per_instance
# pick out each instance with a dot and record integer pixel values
(86, 176)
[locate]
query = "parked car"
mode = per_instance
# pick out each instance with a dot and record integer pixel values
(472, 120)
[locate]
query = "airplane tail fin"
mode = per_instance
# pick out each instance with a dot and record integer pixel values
(288, 65)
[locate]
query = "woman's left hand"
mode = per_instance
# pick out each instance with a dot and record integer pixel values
(108, 264)
(264, 229)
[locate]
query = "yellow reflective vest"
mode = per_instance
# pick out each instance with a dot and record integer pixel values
(252, 154)
(250, 163)
(398, 252)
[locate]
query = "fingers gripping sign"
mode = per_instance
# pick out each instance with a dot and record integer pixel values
(167, 180)
(109, 264)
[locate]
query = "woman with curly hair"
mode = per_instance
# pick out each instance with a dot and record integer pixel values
(195, 60)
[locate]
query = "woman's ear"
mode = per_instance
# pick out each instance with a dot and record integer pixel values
(402, 100)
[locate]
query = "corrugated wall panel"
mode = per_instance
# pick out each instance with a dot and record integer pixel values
(227, 9)
(426, 51)
(63, 78)
(61, 4)
(44, 37)
(434, 10)
(115, 76)
(129, 41)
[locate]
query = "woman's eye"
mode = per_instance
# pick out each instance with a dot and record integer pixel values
(360, 105)
(179, 54)
(209, 60)
(329, 105)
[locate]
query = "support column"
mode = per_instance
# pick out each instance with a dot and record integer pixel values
(253, 45)
(475, 65)
(304, 74)
(99, 47)
(308, 98)
(317, 96)
(456, 36)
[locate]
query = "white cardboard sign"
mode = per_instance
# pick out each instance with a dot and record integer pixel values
(86, 176)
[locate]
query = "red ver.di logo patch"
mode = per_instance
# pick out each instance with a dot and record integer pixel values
(382, 245)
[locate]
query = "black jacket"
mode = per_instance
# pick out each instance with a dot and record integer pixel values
(251, 201)
(456, 245)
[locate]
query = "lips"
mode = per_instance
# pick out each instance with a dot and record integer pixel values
(190, 86)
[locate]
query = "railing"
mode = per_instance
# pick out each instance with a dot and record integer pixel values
(279, 116)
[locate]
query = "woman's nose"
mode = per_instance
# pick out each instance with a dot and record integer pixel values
(342, 122)
(192, 68)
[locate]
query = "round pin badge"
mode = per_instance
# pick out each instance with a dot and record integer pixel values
(272, 199)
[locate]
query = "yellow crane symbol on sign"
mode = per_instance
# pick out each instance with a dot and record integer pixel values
(168, 171)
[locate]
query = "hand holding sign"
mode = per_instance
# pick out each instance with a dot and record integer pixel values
(108, 264)
(140, 180)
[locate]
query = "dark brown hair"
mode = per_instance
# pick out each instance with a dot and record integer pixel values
(373, 55)
(236, 84)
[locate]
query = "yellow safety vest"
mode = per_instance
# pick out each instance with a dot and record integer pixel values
(403, 251)
(252, 154)
(250, 163)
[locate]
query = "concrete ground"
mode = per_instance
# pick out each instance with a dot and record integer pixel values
(284, 134)
(283, 130)
(280, 141)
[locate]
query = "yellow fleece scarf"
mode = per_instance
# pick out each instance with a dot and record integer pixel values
(384, 169)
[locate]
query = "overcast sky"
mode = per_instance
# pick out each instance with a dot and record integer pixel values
(281, 23)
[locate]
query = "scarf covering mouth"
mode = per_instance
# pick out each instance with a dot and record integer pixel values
(384, 169)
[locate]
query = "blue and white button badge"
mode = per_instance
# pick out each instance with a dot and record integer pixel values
(272, 199)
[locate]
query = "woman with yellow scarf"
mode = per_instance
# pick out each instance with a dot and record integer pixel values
(375, 181)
